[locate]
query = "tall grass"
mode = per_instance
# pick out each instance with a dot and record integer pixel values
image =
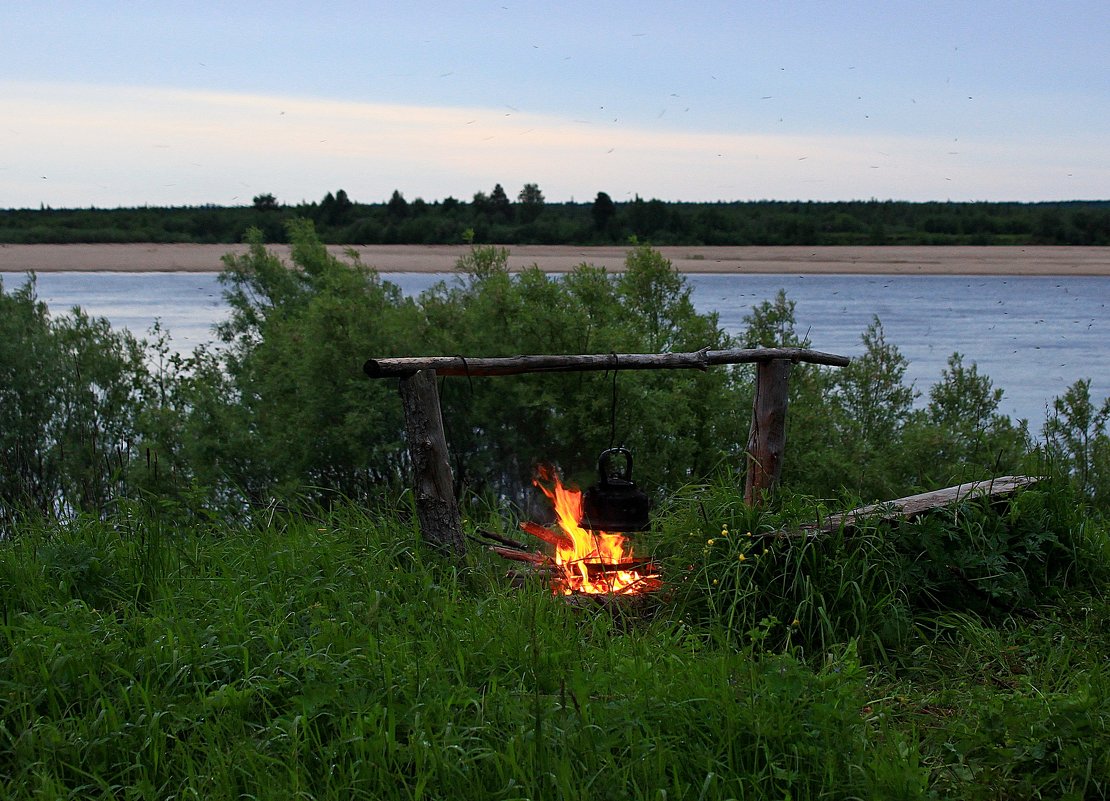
(323, 654)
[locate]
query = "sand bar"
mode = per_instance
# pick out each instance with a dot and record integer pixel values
(897, 260)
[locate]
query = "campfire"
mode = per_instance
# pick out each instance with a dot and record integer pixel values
(584, 561)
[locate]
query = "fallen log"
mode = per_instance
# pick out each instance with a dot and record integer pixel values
(913, 506)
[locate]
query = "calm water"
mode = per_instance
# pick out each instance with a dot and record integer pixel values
(1033, 336)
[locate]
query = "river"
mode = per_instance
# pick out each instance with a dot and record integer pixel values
(1033, 335)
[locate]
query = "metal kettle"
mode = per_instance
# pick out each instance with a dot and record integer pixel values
(614, 503)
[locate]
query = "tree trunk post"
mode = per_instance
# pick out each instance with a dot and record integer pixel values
(767, 437)
(436, 506)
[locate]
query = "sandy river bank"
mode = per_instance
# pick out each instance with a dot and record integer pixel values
(940, 260)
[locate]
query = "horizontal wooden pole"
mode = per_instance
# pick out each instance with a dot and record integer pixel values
(512, 365)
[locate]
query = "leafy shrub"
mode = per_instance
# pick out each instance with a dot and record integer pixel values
(752, 576)
(679, 424)
(71, 394)
(994, 560)
(297, 411)
(756, 576)
(1076, 439)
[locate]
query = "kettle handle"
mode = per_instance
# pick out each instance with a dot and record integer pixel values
(606, 457)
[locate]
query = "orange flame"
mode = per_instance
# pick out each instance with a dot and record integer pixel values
(583, 549)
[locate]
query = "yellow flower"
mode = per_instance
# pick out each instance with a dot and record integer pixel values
(714, 581)
(742, 557)
(709, 542)
(749, 533)
(796, 622)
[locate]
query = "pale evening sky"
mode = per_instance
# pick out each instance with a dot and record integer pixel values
(160, 103)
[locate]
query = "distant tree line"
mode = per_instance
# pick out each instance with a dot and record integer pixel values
(495, 217)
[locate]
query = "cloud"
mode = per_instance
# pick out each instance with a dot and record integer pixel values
(81, 145)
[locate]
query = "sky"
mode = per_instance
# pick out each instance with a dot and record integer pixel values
(161, 103)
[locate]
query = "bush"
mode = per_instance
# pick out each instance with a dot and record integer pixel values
(298, 412)
(1077, 440)
(71, 395)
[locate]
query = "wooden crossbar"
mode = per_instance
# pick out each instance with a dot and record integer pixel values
(569, 363)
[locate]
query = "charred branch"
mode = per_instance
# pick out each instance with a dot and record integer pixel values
(502, 539)
(547, 535)
(513, 555)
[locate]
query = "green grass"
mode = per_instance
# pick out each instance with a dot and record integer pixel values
(326, 655)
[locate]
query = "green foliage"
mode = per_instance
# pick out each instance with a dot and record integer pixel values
(752, 577)
(397, 207)
(857, 428)
(737, 574)
(602, 211)
(309, 658)
(499, 429)
(282, 408)
(297, 411)
(970, 557)
(536, 221)
(168, 628)
(1077, 439)
(1015, 711)
(71, 391)
(531, 202)
(319, 653)
(961, 436)
(870, 408)
(265, 202)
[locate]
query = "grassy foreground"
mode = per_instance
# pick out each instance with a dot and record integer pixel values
(328, 656)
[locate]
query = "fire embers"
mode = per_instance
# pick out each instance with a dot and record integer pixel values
(591, 562)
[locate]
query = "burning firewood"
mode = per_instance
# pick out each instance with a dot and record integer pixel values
(628, 565)
(548, 536)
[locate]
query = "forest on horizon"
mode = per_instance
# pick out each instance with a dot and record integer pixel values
(527, 218)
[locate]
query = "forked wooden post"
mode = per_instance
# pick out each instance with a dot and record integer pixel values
(767, 435)
(436, 505)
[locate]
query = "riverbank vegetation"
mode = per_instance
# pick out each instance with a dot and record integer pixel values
(212, 583)
(529, 220)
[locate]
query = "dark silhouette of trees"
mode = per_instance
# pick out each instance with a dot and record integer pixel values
(335, 210)
(532, 219)
(602, 211)
(398, 207)
(531, 203)
(647, 219)
(480, 203)
(499, 204)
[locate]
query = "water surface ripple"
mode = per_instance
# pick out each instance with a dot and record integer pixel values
(1033, 335)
